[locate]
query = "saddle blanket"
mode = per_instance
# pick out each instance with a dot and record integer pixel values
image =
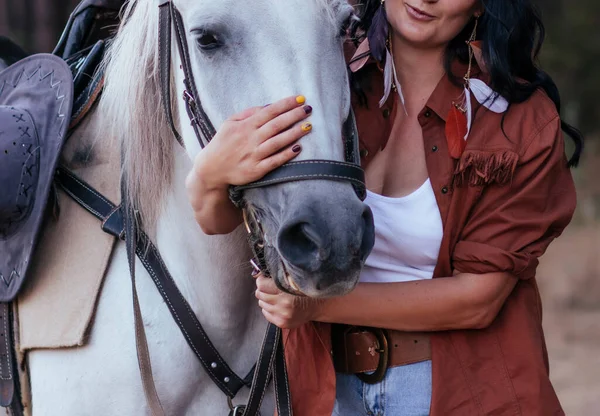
(56, 306)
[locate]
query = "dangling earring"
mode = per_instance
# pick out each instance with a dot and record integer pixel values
(380, 44)
(460, 117)
(378, 33)
(458, 121)
(482, 92)
(467, 108)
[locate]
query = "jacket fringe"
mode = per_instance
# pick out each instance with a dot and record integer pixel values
(477, 168)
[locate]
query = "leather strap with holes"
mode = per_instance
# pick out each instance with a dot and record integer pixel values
(9, 377)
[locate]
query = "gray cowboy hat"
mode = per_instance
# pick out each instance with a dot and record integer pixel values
(36, 96)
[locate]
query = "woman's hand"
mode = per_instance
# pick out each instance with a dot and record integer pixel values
(282, 309)
(247, 147)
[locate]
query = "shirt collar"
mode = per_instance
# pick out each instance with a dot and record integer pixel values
(448, 92)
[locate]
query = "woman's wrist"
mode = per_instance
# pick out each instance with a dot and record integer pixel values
(321, 309)
(209, 198)
(208, 180)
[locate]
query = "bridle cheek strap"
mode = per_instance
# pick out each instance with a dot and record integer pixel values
(169, 19)
(164, 65)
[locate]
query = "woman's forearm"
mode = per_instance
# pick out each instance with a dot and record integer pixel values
(464, 301)
(213, 210)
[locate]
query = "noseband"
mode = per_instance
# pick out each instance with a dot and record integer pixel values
(346, 171)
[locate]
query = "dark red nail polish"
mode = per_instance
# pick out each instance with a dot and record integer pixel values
(296, 148)
(307, 109)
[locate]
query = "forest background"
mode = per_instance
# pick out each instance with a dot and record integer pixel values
(569, 274)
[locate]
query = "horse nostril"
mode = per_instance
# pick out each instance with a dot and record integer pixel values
(302, 245)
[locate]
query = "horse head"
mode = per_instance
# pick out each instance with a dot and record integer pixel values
(317, 233)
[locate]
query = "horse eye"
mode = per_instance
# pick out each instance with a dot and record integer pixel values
(207, 41)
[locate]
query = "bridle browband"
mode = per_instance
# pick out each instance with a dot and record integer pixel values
(271, 362)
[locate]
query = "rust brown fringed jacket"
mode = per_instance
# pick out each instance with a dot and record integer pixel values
(501, 204)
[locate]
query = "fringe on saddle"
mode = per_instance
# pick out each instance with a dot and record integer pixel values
(477, 168)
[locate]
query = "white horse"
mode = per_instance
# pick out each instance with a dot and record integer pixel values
(265, 50)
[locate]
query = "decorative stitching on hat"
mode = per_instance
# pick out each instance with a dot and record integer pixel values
(14, 274)
(27, 177)
(42, 76)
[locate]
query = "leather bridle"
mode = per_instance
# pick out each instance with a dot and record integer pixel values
(271, 362)
(347, 171)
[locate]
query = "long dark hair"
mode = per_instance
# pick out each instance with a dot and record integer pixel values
(512, 34)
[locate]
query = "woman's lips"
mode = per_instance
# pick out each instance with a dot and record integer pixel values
(418, 14)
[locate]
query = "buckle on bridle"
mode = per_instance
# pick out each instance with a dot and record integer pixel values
(384, 354)
(238, 410)
(187, 96)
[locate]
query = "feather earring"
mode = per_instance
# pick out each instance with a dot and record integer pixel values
(378, 33)
(390, 78)
(460, 116)
(380, 46)
(482, 92)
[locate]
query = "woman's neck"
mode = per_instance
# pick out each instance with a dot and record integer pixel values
(418, 71)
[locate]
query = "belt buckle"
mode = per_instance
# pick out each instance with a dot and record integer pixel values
(383, 349)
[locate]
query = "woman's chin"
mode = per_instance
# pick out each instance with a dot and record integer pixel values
(417, 35)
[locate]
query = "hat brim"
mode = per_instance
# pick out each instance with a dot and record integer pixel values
(41, 85)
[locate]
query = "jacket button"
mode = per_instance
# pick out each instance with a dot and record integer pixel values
(364, 153)
(386, 113)
(445, 190)
(434, 149)
(427, 113)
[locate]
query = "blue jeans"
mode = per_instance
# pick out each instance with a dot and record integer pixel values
(405, 391)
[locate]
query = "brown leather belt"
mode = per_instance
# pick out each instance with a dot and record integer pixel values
(360, 350)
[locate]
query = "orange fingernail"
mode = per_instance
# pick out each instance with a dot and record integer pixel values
(306, 127)
(301, 99)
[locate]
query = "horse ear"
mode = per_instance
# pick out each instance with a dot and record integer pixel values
(378, 34)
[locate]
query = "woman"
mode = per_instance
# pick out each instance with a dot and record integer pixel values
(469, 184)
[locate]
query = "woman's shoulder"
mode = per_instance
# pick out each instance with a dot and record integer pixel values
(534, 121)
(536, 113)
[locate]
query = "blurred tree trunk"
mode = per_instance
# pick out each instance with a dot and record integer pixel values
(34, 24)
(18, 21)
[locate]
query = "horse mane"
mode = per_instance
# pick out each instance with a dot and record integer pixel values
(131, 110)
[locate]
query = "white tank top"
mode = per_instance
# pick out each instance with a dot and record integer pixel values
(408, 234)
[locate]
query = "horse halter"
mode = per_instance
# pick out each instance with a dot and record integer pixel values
(347, 171)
